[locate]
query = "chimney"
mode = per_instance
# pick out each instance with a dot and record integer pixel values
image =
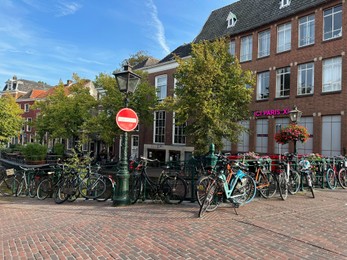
(68, 82)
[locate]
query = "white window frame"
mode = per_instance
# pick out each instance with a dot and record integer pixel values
(281, 87)
(264, 39)
(284, 37)
(178, 132)
(159, 127)
(161, 86)
(307, 147)
(262, 135)
(29, 120)
(26, 107)
(306, 30)
(232, 47)
(332, 74)
(279, 124)
(243, 143)
(331, 135)
(304, 72)
(284, 3)
(335, 32)
(232, 20)
(261, 87)
(246, 48)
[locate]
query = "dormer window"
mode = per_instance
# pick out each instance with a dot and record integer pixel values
(284, 3)
(231, 19)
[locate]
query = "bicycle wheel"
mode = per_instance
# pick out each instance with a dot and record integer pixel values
(135, 189)
(244, 190)
(210, 194)
(294, 182)
(32, 187)
(9, 186)
(44, 189)
(108, 192)
(267, 185)
(62, 191)
(201, 188)
(342, 177)
(283, 185)
(21, 188)
(174, 189)
(331, 179)
(309, 183)
(92, 187)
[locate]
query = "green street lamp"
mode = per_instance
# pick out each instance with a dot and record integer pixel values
(127, 82)
(295, 116)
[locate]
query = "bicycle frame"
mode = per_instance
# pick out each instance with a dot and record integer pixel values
(229, 187)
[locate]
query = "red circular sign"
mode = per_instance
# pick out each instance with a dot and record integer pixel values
(127, 119)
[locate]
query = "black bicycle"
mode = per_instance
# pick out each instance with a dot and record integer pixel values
(170, 187)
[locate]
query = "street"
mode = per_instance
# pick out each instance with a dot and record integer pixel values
(299, 228)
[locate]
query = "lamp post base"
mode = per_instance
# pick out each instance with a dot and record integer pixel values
(121, 196)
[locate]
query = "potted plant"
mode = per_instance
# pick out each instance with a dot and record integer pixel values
(34, 153)
(292, 133)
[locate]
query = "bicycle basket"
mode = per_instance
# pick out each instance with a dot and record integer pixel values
(9, 172)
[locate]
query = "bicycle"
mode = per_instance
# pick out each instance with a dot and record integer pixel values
(29, 178)
(238, 187)
(170, 187)
(305, 170)
(8, 183)
(48, 185)
(264, 179)
(335, 175)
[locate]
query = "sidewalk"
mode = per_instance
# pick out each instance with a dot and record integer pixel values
(300, 227)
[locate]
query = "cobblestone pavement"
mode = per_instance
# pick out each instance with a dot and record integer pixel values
(299, 228)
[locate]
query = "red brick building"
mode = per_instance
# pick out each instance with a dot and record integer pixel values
(296, 50)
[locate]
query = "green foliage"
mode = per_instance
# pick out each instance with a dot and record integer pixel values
(65, 111)
(103, 122)
(211, 94)
(136, 58)
(34, 152)
(11, 120)
(58, 149)
(78, 162)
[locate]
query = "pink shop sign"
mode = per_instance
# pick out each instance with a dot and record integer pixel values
(272, 112)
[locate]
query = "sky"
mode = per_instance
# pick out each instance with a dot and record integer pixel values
(49, 40)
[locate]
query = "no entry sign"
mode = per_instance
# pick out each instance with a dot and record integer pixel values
(127, 119)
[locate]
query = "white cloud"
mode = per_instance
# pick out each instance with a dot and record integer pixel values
(67, 8)
(158, 25)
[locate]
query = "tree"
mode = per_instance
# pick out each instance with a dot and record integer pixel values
(11, 120)
(211, 94)
(136, 58)
(65, 111)
(142, 101)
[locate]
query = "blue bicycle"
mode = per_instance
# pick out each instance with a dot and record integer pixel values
(233, 184)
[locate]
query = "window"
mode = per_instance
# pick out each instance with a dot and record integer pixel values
(284, 37)
(263, 84)
(283, 82)
(159, 127)
(26, 107)
(332, 72)
(264, 44)
(246, 48)
(331, 135)
(231, 19)
(307, 147)
(262, 135)
(284, 3)
(161, 86)
(29, 120)
(306, 30)
(232, 48)
(179, 135)
(305, 78)
(243, 144)
(332, 22)
(281, 123)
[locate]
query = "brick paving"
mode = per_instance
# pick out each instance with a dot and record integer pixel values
(298, 228)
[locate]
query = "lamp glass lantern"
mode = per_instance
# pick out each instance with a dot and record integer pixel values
(295, 115)
(127, 80)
